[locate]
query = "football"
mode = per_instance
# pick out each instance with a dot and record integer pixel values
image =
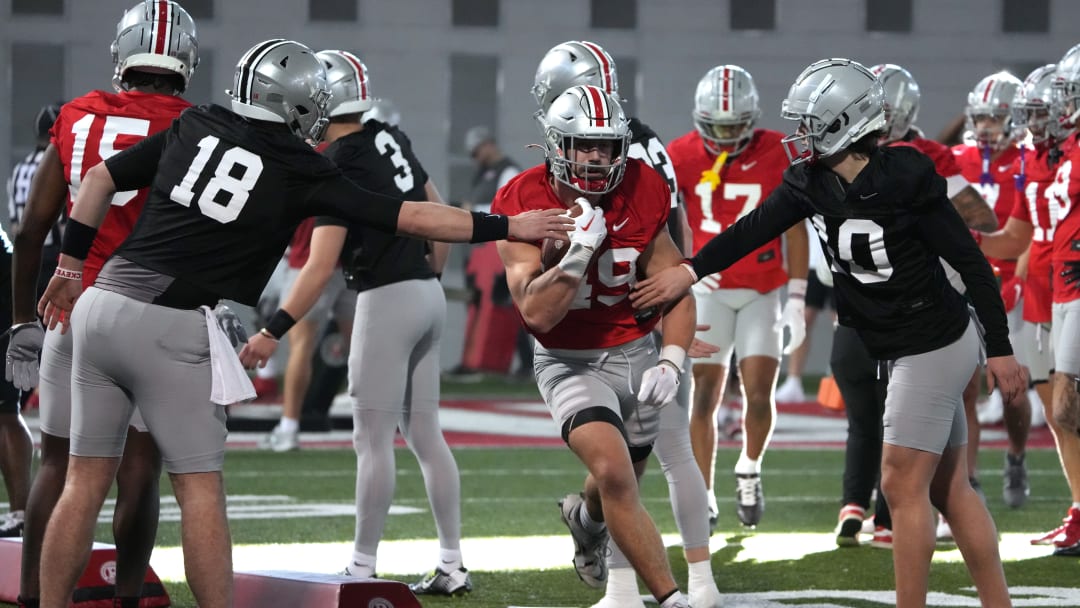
(552, 250)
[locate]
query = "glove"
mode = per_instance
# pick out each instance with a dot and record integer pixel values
(24, 354)
(793, 315)
(231, 325)
(590, 229)
(659, 384)
(1012, 290)
(1071, 272)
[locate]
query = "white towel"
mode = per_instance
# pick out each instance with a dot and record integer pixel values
(231, 383)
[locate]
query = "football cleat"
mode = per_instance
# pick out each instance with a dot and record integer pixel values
(280, 441)
(1016, 489)
(1069, 529)
(849, 525)
(440, 582)
(706, 595)
(590, 548)
(882, 538)
(612, 602)
(713, 518)
(749, 499)
(11, 526)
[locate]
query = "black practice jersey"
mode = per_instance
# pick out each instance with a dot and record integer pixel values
(380, 158)
(226, 195)
(883, 236)
(646, 145)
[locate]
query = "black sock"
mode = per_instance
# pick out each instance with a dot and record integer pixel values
(125, 602)
(28, 602)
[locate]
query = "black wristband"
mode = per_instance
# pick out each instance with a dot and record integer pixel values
(280, 323)
(489, 227)
(78, 238)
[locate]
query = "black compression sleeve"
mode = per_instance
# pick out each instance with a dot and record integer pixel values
(780, 211)
(947, 236)
(341, 198)
(136, 166)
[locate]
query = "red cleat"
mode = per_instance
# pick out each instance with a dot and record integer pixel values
(1065, 535)
(266, 390)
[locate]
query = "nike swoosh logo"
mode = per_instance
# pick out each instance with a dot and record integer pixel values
(865, 197)
(1003, 168)
(618, 227)
(748, 166)
(591, 220)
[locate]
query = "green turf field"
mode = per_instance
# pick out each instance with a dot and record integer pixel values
(513, 493)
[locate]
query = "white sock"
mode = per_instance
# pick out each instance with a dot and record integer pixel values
(710, 496)
(1076, 505)
(362, 565)
(676, 600)
(449, 559)
(288, 425)
(746, 466)
(700, 574)
(622, 585)
(793, 380)
(17, 515)
(587, 522)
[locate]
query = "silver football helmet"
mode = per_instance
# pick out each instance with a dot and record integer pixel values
(573, 63)
(837, 102)
(581, 117)
(1031, 107)
(1065, 96)
(725, 109)
(348, 79)
(992, 97)
(283, 81)
(901, 99)
(155, 36)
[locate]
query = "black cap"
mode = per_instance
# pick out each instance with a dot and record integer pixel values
(45, 118)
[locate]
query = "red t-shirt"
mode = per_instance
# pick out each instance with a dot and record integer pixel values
(745, 181)
(1062, 196)
(635, 212)
(91, 129)
(942, 155)
(999, 192)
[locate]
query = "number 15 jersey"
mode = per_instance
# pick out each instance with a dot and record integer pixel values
(91, 129)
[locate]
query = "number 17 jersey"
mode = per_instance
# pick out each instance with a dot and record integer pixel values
(91, 129)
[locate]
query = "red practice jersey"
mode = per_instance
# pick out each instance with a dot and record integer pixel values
(942, 155)
(1063, 196)
(1033, 207)
(744, 182)
(635, 212)
(93, 128)
(300, 245)
(999, 188)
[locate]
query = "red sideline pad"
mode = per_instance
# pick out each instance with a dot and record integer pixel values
(286, 589)
(95, 587)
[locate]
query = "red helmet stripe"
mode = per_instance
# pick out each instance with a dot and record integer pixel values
(725, 95)
(161, 17)
(359, 68)
(986, 93)
(596, 100)
(605, 65)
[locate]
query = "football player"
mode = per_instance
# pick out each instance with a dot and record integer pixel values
(726, 167)
(393, 360)
(596, 361)
(885, 223)
(154, 55)
(857, 374)
(575, 63)
(17, 457)
(145, 335)
(987, 163)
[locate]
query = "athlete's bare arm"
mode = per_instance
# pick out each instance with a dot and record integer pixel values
(48, 192)
(543, 298)
(1009, 242)
(680, 318)
(798, 251)
(439, 250)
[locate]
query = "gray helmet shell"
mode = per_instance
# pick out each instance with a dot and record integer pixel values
(283, 81)
(585, 113)
(726, 97)
(901, 99)
(155, 36)
(836, 102)
(573, 63)
(348, 79)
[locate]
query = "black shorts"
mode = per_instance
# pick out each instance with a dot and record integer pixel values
(818, 295)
